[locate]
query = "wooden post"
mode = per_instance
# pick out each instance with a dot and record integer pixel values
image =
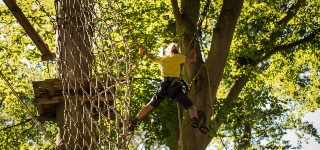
(18, 14)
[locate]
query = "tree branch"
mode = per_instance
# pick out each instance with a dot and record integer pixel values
(176, 10)
(12, 126)
(221, 41)
(292, 11)
(240, 82)
(220, 47)
(287, 47)
(236, 87)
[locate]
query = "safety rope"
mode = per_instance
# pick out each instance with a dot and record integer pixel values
(193, 41)
(198, 33)
(196, 36)
(25, 107)
(52, 20)
(180, 128)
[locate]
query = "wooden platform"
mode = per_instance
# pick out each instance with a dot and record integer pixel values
(49, 93)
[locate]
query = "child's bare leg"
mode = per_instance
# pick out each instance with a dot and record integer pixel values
(194, 116)
(144, 111)
(193, 112)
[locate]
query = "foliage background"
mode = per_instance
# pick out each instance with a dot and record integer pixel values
(280, 90)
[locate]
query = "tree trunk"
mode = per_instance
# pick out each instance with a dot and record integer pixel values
(205, 77)
(246, 137)
(74, 59)
(186, 22)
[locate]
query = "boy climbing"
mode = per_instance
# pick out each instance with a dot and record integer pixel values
(170, 86)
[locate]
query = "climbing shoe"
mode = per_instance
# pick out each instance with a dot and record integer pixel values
(195, 122)
(203, 129)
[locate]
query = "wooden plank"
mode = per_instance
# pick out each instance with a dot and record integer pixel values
(42, 84)
(39, 108)
(48, 109)
(50, 91)
(44, 118)
(57, 84)
(36, 89)
(18, 14)
(60, 99)
(46, 100)
(50, 87)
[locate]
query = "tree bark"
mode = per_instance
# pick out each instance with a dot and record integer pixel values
(221, 41)
(246, 137)
(74, 59)
(205, 77)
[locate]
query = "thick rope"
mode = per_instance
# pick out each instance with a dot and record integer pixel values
(180, 128)
(198, 33)
(109, 69)
(24, 106)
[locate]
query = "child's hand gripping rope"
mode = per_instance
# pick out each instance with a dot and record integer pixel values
(142, 51)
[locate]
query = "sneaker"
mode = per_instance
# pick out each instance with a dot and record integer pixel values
(204, 129)
(195, 122)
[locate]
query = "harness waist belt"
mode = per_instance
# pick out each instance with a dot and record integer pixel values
(169, 78)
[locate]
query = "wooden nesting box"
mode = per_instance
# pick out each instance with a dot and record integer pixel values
(49, 93)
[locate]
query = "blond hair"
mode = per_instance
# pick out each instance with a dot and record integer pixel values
(173, 48)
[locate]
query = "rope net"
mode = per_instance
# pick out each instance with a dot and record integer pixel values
(95, 53)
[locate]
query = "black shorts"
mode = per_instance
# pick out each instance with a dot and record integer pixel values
(172, 89)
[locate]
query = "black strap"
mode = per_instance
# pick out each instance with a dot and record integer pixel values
(198, 33)
(185, 85)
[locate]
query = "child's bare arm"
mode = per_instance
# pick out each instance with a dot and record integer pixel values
(192, 57)
(148, 55)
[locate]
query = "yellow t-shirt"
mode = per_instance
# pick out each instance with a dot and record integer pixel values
(170, 65)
